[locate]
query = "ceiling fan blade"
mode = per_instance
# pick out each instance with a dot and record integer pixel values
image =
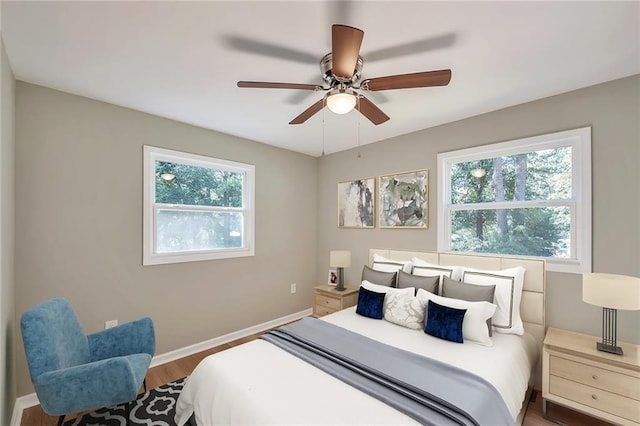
(308, 113)
(371, 111)
(345, 48)
(268, 85)
(408, 81)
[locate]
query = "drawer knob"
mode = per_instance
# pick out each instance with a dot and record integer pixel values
(594, 396)
(594, 376)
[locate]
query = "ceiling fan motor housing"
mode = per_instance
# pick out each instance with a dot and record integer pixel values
(326, 68)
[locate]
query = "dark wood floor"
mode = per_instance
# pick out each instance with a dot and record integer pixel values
(171, 371)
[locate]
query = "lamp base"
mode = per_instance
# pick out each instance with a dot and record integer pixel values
(609, 332)
(340, 286)
(609, 348)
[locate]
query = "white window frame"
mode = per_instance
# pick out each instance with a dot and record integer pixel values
(149, 255)
(579, 260)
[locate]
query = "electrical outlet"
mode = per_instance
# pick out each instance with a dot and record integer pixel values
(110, 324)
(293, 288)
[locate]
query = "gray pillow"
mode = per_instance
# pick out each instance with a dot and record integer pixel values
(379, 277)
(427, 283)
(469, 292)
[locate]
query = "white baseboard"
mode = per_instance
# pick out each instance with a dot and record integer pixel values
(31, 400)
(22, 403)
(227, 338)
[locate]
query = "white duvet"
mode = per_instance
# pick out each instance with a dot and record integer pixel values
(258, 383)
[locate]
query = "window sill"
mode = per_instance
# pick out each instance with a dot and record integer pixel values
(162, 259)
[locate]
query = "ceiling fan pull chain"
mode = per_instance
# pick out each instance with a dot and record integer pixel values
(359, 127)
(323, 130)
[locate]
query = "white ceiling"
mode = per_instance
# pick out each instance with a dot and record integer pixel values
(182, 60)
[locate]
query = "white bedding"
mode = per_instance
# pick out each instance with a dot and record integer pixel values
(258, 383)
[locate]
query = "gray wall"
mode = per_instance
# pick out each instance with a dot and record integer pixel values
(613, 111)
(79, 222)
(7, 283)
(79, 209)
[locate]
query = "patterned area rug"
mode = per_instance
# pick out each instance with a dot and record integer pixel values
(154, 408)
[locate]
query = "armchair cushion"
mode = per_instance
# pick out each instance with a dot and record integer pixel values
(98, 384)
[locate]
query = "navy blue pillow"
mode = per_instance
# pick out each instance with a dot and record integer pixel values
(444, 322)
(370, 303)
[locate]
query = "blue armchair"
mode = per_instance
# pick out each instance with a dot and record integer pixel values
(74, 372)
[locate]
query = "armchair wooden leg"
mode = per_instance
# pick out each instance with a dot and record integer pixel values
(61, 420)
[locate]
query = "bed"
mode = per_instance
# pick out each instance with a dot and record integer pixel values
(260, 383)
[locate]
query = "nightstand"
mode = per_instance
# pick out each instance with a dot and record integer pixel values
(326, 300)
(577, 375)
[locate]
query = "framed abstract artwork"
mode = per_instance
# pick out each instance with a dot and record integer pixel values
(404, 200)
(356, 203)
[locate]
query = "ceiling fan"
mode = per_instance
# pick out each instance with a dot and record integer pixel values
(341, 70)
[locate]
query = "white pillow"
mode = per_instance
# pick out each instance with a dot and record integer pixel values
(383, 264)
(409, 291)
(405, 310)
(507, 296)
(474, 323)
(426, 269)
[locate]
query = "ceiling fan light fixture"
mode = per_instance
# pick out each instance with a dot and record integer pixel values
(341, 101)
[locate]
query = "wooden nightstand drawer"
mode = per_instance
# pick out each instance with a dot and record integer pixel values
(321, 311)
(327, 302)
(600, 378)
(592, 397)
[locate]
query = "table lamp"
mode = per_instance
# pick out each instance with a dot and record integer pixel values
(612, 292)
(340, 259)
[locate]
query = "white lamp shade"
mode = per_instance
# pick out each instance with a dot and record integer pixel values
(340, 258)
(341, 103)
(611, 291)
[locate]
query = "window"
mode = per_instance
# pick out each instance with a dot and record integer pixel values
(527, 197)
(196, 208)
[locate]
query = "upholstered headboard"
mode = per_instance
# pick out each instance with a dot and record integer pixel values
(532, 305)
